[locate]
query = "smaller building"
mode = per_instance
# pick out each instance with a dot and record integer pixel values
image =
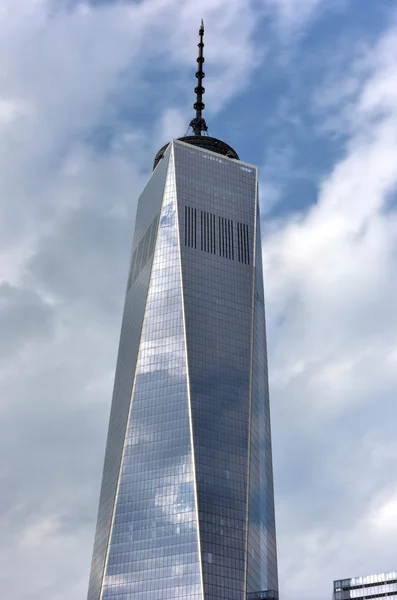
(383, 585)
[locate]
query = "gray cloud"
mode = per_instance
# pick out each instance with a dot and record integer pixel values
(23, 315)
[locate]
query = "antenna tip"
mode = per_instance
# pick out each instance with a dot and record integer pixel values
(202, 25)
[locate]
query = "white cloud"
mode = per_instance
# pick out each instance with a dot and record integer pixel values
(383, 517)
(331, 285)
(290, 13)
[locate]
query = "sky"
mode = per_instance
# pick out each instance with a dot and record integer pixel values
(305, 89)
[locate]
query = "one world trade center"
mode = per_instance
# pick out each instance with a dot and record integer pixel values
(187, 505)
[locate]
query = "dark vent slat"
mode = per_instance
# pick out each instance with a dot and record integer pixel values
(232, 239)
(185, 225)
(202, 229)
(213, 234)
(194, 228)
(248, 246)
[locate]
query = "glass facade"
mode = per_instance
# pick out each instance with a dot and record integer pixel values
(186, 507)
(382, 585)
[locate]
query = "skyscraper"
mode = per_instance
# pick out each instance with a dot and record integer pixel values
(186, 506)
(382, 585)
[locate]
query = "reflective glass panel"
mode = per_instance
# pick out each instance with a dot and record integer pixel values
(148, 208)
(154, 551)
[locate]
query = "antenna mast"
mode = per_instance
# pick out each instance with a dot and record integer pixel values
(198, 124)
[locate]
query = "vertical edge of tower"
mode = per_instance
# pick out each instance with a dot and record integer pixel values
(248, 481)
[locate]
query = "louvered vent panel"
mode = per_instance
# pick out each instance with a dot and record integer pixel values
(218, 235)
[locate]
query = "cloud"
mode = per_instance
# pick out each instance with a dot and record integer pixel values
(340, 254)
(383, 517)
(290, 14)
(330, 277)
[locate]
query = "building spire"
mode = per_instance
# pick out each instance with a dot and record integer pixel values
(198, 124)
